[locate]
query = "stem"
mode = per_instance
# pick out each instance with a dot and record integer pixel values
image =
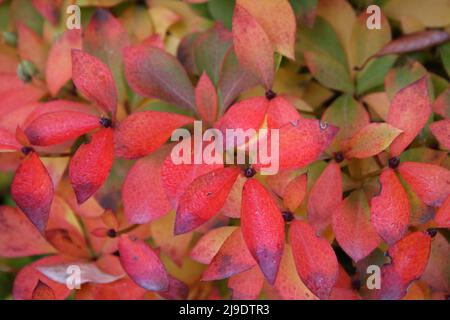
(128, 229)
(86, 237)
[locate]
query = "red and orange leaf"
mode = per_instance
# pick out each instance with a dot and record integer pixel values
(352, 228)
(281, 112)
(288, 285)
(8, 141)
(246, 285)
(410, 256)
(90, 166)
(18, 236)
(61, 126)
(28, 277)
(144, 198)
(203, 198)
(178, 290)
(442, 216)
(303, 142)
(208, 245)
(174, 246)
(409, 112)
(94, 80)
(314, 258)
(253, 47)
(263, 228)
(59, 61)
(177, 177)
(279, 27)
(441, 130)
(123, 289)
(371, 140)
(390, 209)
(246, 114)
(206, 99)
(142, 264)
(429, 181)
(154, 73)
(42, 292)
(437, 273)
(32, 190)
(295, 192)
(320, 208)
(143, 132)
(232, 258)
(67, 243)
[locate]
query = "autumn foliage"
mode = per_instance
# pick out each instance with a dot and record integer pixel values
(87, 178)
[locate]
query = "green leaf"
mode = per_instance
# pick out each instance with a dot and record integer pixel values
(222, 10)
(445, 56)
(325, 56)
(372, 76)
(210, 49)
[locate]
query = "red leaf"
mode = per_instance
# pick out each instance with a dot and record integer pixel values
(59, 62)
(204, 198)
(281, 112)
(32, 190)
(442, 217)
(303, 142)
(232, 258)
(430, 182)
(177, 177)
(441, 130)
(94, 80)
(314, 258)
(143, 132)
(371, 140)
(154, 73)
(18, 236)
(263, 228)
(295, 192)
(246, 285)
(414, 42)
(320, 208)
(58, 127)
(246, 114)
(208, 245)
(253, 47)
(8, 141)
(42, 292)
(410, 256)
(90, 166)
(64, 242)
(409, 111)
(206, 99)
(123, 289)
(144, 198)
(352, 228)
(142, 264)
(178, 290)
(390, 209)
(28, 277)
